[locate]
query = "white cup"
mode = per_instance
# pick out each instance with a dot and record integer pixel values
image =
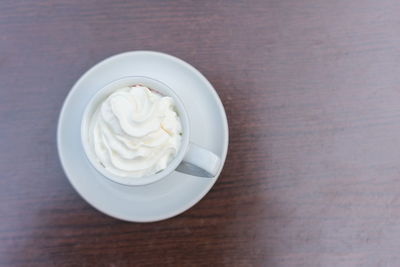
(191, 159)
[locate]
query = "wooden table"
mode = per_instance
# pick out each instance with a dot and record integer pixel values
(312, 94)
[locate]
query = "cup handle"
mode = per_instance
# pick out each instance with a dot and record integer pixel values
(199, 162)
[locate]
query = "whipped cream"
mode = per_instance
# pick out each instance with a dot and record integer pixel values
(135, 132)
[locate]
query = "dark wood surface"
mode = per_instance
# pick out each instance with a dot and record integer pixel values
(312, 94)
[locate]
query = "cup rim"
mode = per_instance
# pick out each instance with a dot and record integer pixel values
(144, 180)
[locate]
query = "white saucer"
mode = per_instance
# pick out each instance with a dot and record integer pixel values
(173, 194)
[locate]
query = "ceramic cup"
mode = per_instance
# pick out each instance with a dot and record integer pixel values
(190, 159)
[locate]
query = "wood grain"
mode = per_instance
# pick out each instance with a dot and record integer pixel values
(312, 94)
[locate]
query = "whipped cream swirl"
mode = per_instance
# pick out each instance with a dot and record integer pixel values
(135, 132)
